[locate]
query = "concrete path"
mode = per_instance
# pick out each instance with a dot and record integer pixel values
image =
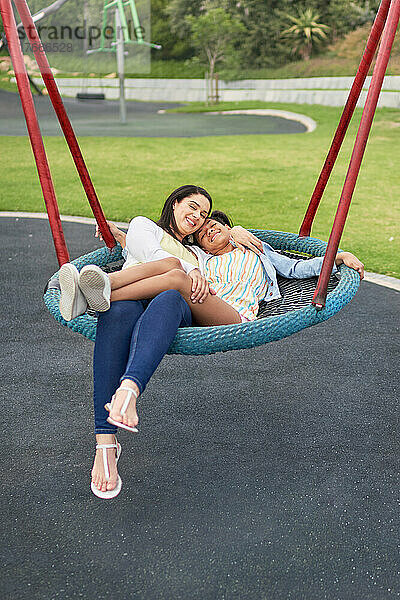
(101, 118)
(267, 473)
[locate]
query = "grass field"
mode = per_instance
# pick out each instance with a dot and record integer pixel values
(262, 181)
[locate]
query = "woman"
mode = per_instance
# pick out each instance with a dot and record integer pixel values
(133, 336)
(241, 280)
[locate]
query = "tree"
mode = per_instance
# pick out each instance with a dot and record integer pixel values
(365, 13)
(306, 32)
(178, 11)
(263, 45)
(173, 46)
(214, 33)
(343, 16)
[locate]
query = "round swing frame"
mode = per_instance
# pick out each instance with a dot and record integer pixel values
(209, 340)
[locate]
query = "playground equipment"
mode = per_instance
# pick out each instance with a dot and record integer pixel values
(40, 15)
(37, 17)
(122, 36)
(213, 339)
(122, 28)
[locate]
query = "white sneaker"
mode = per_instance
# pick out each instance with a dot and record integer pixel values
(72, 301)
(95, 286)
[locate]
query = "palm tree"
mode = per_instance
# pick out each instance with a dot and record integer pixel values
(305, 31)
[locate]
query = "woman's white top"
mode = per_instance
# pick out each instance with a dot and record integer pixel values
(146, 241)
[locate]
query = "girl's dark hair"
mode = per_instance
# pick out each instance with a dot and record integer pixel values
(167, 218)
(221, 217)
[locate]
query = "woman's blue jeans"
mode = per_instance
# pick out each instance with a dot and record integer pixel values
(131, 339)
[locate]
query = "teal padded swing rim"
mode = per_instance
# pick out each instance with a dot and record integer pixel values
(208, 340)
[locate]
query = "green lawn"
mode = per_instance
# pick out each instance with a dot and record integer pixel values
(7, 85)
(262, 181)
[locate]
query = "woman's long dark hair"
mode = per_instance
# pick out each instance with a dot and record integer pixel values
(167, 218)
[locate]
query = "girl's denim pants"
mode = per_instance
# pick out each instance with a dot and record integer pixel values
(131, 339)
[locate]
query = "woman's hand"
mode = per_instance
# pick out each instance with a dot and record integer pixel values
(244, 238)
(351, 261)
(120, 236)
(200, 287)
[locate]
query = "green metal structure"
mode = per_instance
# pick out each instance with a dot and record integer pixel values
(120, 6)
(121, 37)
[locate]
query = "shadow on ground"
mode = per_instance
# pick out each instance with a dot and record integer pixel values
(266, 473)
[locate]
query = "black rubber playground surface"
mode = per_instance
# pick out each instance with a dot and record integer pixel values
(101, 118)
(270, 473)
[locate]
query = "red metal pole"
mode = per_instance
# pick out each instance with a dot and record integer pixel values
(10, 29)
(358, 151)
(65, 123)
(345, 119)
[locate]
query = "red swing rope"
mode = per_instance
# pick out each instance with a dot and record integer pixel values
(65, 123)
(358, 151)
(10, 29)
(345, 119)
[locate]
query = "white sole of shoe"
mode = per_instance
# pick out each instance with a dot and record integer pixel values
(109, 405)
(122, 425)
(110, 493)
(96, 287)
(72, 301)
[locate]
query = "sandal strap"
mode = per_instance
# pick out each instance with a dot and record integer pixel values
(128, 389)
(105, 461)
(128, 398)
(105, 446)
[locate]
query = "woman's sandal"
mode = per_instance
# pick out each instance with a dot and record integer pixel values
(109, 493)
(128, 398)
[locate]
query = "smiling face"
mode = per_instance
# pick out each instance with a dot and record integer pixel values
(214, 237)
(190, 214)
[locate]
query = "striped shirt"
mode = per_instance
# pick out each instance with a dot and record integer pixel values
(238, 278)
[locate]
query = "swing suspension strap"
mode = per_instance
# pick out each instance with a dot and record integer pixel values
(10, 29)
(388, 36)
(345, 119)
(59, 108)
